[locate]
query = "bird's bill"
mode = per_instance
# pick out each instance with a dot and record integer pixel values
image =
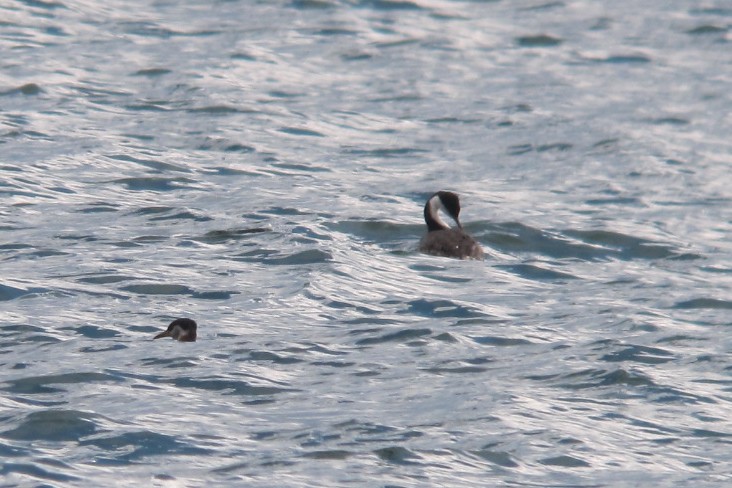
(166, 333)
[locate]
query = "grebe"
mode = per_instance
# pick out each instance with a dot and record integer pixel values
(183, 330)
(440, 239)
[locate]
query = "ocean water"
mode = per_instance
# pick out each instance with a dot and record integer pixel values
(261, 167)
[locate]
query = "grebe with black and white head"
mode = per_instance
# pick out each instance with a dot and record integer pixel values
(440, 239)
(183, 330)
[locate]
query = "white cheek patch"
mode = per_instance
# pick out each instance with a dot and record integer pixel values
(435, 207)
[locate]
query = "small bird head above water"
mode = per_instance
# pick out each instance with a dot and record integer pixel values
(447, 201)
(183, 330)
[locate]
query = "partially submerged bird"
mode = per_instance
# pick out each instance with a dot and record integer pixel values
(183, 330)
(440, 239)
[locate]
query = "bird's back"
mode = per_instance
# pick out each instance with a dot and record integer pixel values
(451, 243)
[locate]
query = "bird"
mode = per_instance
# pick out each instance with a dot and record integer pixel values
(183, 330)
(440, 239)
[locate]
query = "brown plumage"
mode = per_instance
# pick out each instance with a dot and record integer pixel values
(440, 239)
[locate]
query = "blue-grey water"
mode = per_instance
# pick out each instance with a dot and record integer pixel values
(261, 167)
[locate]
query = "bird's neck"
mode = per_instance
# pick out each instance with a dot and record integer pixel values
(432, 215)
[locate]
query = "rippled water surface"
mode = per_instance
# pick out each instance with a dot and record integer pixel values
(261, 167)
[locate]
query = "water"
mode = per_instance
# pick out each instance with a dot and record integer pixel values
(261, 167)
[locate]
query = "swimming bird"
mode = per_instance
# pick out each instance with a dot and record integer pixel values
(183, 330)
(440, 239)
